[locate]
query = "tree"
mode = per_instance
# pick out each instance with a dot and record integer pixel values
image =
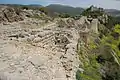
(44, 10)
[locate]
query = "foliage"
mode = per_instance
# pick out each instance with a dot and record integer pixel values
(92, 45)
(90, 65)
(94, 14)
(44, 10)
(64, 15)
(117, 29)
(106, 57)
(112, 21)
(91, 70)
(110, 54)
(113, 39)
(25, 7)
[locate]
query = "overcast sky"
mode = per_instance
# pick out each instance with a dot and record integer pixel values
(111, 4)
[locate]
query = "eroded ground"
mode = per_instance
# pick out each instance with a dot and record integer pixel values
(31, 51)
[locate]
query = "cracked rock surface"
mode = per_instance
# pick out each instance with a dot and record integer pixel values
(44, 53)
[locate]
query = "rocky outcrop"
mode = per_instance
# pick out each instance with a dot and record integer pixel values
(94, 25)
(12, 14)
(9, 14)
(46, 53)
(84, 25)
(67, 22)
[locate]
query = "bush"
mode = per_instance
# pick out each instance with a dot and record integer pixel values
(93, 14)
(119, 46)
(64, 15)
(25, 7)
(44, 10)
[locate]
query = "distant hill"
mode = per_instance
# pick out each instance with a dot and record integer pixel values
(58, 8)
(35, 5)
(113, 12)
(65, 9)
(31, 6)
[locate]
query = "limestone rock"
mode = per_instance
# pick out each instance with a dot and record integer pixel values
(68, 23)
(3, 77)
(46, 53)
(11, 15)
(94, 25)
(38, 60)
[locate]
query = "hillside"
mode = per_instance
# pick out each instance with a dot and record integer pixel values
(65, 9)
(58, 8)
(100, 56)
(30, 6)
(113, 12)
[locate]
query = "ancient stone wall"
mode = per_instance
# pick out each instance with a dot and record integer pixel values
(94, 25)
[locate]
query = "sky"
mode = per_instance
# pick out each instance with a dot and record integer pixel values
(109, 4)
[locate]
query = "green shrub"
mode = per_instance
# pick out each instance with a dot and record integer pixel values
(25, 7)
(44, 10)
(64, 15)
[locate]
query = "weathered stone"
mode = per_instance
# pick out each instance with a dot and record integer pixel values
(31, 38)
(2, 76)
(38, 60)
(12, 15)
(94, 25)
(36, 40)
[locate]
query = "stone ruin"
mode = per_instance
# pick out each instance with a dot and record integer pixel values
(48, 53)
